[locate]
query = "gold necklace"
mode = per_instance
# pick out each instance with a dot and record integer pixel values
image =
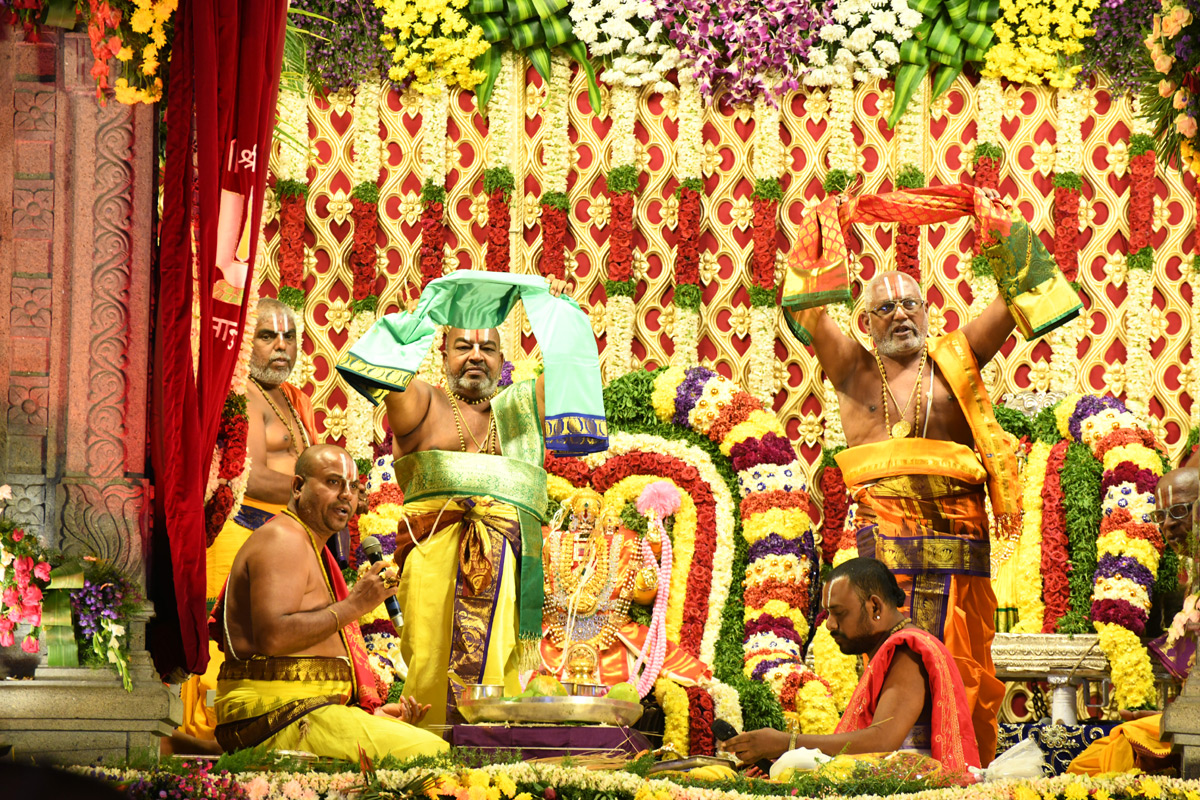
(898, 626)
(473, 402)
(489, 441)
(303, 434)
(902, 428)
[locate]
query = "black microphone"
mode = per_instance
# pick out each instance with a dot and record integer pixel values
(374, 553)
(723, 732)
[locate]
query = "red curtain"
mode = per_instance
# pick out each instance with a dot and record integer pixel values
(224, 76)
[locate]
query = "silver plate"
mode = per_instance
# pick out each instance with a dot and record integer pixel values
(551, 710)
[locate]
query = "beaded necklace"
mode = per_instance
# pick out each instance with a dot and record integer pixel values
(902, 428)
(489, 441)
(302, 436)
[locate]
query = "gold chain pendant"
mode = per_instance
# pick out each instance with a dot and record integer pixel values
(901, 429)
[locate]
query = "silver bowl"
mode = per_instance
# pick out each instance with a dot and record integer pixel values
(586, 689)
(481, 691)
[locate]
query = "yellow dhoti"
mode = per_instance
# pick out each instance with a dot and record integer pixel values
(299, 703)
(199, 720)
(1130, 745)
(473, 636)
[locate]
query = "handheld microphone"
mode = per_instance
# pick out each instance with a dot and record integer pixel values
(723, 732)
(374, 553)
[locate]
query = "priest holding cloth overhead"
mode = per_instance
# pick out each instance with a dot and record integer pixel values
(469, 458)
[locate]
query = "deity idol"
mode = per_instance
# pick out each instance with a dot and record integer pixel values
(594, 570)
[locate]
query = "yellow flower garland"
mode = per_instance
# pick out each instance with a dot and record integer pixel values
(1024, 568)
(833, 665)
(666, 386)
(674, 701)
(819, 715)
(1132, 676)
(789, 523)
(754, 426)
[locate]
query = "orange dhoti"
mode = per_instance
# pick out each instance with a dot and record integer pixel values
(921, 512)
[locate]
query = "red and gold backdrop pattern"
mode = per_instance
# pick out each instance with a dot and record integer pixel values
(1028, 130)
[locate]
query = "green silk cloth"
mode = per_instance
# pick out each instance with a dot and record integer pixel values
(517, 477)
(387, 357)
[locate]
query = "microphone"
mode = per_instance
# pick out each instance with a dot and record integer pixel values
(374, 553)
(723, 732)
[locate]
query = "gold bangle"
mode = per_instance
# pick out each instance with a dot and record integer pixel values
(792, 742)
(336, 621)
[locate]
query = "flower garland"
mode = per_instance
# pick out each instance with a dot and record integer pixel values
(860, 41)
(909, 175)
(725, 703)
(1039, 40)
(556, 145)
(432, 44)
(676, 711)
(1139, 365)
(135, 36)
(1027, 597)
(435, 115)
(622, 183)
(635, 54)
(837, 668)
(1055, 561)
(498, 180)
(700, 722)
(292, 188)
(1129, 545)
(835, 503)
(1068, 181)
(769, 166)
(24, 578)
(229, 471)
(689, 150)
(989, 152)
(843, 153)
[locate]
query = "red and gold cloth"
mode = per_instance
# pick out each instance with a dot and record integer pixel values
(1037, 294)
(953, 739)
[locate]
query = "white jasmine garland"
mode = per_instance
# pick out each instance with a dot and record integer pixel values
(1140, 124)
(983, 292)
(686, 337)
(619, 350)
(555, 141)
(368, 147)
(762, 354)
(292, 108)
(990, 99)
(360, 414)
(624, 114)
(689, 146)
(726, 703)
(1072, 111)
(435, 113)
(768, 144)
(835, 435)
(1064, 361)
(910, 130)
(1139, 363)
(843, 153)
(500, 116)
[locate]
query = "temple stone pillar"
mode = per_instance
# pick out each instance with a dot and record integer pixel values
(76, 245)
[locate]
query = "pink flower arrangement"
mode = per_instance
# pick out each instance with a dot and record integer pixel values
(21, 585)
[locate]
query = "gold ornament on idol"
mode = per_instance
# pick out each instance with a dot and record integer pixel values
(489, 441)
(296, 438)
(902, 428)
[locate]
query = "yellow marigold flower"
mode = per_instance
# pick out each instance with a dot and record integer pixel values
(1025, 792)
(1075, 791)
(506, 785)
(149, 66)
(125, 53)
(476, 793)
(1150, 788)
(478, 778)
(1101, 794)
(141, 20)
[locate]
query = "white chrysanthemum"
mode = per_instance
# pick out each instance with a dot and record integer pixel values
(833, 33)
(861, 39)
(887, 51)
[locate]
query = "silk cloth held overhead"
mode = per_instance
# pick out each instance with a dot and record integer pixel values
(387, 357)
(818, 273)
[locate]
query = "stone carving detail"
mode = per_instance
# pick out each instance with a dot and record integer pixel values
(30, 307)
(107, 385)
(33, 211)
(34, 111)
(27, 507)
(104, 521)
(27, 404)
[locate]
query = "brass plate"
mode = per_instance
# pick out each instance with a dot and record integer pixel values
(551, 710)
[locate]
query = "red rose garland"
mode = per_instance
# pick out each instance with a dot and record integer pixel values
(908, 249)
(216, 511)
(687, 257)
(433, 242)
(554, 236)
(700, 720)
(763, 269)
(233, 456)
(836, 505)
(499, 219)
(291, 241)
(987, 176)
(620, 241)
(231, 440)
(1066, 229)
(1141, 200)
(364, 261)
(1056, 590)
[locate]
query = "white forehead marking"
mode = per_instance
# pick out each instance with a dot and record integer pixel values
(349, 468)
(279, 321)
(893, 287)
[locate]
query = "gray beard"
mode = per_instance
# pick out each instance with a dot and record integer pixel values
(888, 346)
(483, 387)
(267, 376)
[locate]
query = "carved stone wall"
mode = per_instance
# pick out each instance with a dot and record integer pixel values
(75, 255)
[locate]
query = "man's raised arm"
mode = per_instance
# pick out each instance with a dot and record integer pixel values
(988, 332)
(407, 410)
(837, 352)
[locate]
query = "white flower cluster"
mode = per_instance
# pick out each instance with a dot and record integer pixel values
(989, 96)
(763, 324)
(686, 336)
(501, 115)
(382, 472)
(835, 434)
(629, 39)
(1141, 124)
(1072, 111)
(1064, 362)
(983, 292)
(555, 140)
(368, 147)
(768, 144)
(772, 478)
(843, 153)
(910, 131)
(689, 146)
(293, 121)
(624, 114)
(619, 350)
(435, 114)
(360, 414)
(1139, 363)
(726, 703)
(861, 42)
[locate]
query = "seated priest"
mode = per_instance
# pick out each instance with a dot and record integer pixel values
(295, 675)
(280, 425)
(910, 696)
(1137, 742)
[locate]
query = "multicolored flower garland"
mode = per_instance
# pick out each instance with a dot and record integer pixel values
(1139, 363)
(622, 183)
(556, 150)
(229, 472)
(909, 175)
(768, 194)
(292, 188)
(498, 180)
(689, 150)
